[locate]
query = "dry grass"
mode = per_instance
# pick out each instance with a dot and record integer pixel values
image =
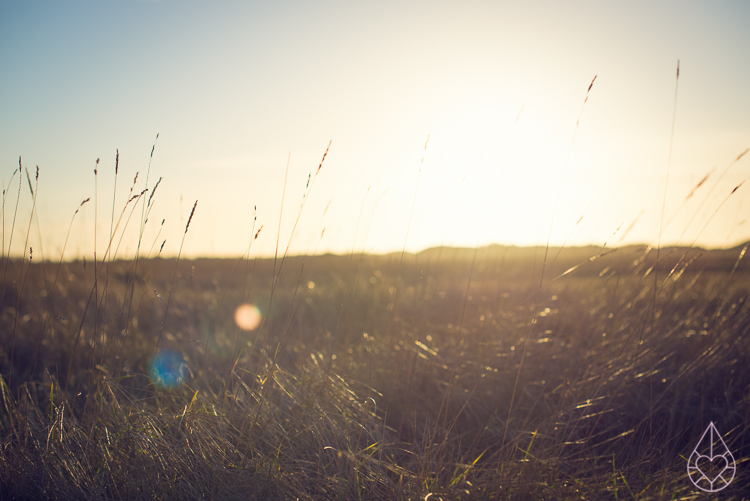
(412, 406)
(451, 374)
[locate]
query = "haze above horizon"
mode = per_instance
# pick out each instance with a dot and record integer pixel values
(237, 89)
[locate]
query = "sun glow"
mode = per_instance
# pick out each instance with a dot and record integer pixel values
(498, 89)
(494, 169)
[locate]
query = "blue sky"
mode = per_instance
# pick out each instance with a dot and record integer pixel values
(234, 88)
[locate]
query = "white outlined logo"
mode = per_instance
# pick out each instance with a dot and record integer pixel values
(711, 466)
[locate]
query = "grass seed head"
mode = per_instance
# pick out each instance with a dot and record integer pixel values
(591, 84)
(154, 146)
(324, 157)
(191, 216)
(28, 178)
(153, 191)
(700, 183)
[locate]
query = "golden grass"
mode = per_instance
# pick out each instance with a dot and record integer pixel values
(418, 395)
(450, 374)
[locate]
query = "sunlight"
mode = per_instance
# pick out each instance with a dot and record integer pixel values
(492, 172)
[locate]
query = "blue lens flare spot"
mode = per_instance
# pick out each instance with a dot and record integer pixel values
(168, 368)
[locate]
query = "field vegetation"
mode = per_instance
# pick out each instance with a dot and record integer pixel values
(448, 374)
(489, 373)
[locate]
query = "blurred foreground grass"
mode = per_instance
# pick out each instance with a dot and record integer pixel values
(448, 375)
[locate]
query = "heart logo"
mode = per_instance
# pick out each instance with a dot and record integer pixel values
(708, 468)
(712, 470)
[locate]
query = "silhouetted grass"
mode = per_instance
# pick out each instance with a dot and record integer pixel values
(449, 374)
(411, 406)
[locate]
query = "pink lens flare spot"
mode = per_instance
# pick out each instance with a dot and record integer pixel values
(247, 317)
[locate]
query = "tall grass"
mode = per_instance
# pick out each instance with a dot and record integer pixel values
(390, 379)
(579, 427)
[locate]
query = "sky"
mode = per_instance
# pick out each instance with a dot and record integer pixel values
(245, 95)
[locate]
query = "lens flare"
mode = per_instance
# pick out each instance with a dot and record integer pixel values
(168, 368)
(247, 317)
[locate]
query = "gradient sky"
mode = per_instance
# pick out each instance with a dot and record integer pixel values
(234, 88)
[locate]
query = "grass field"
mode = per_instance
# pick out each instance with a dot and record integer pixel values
(450, 374)
(131, 371)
